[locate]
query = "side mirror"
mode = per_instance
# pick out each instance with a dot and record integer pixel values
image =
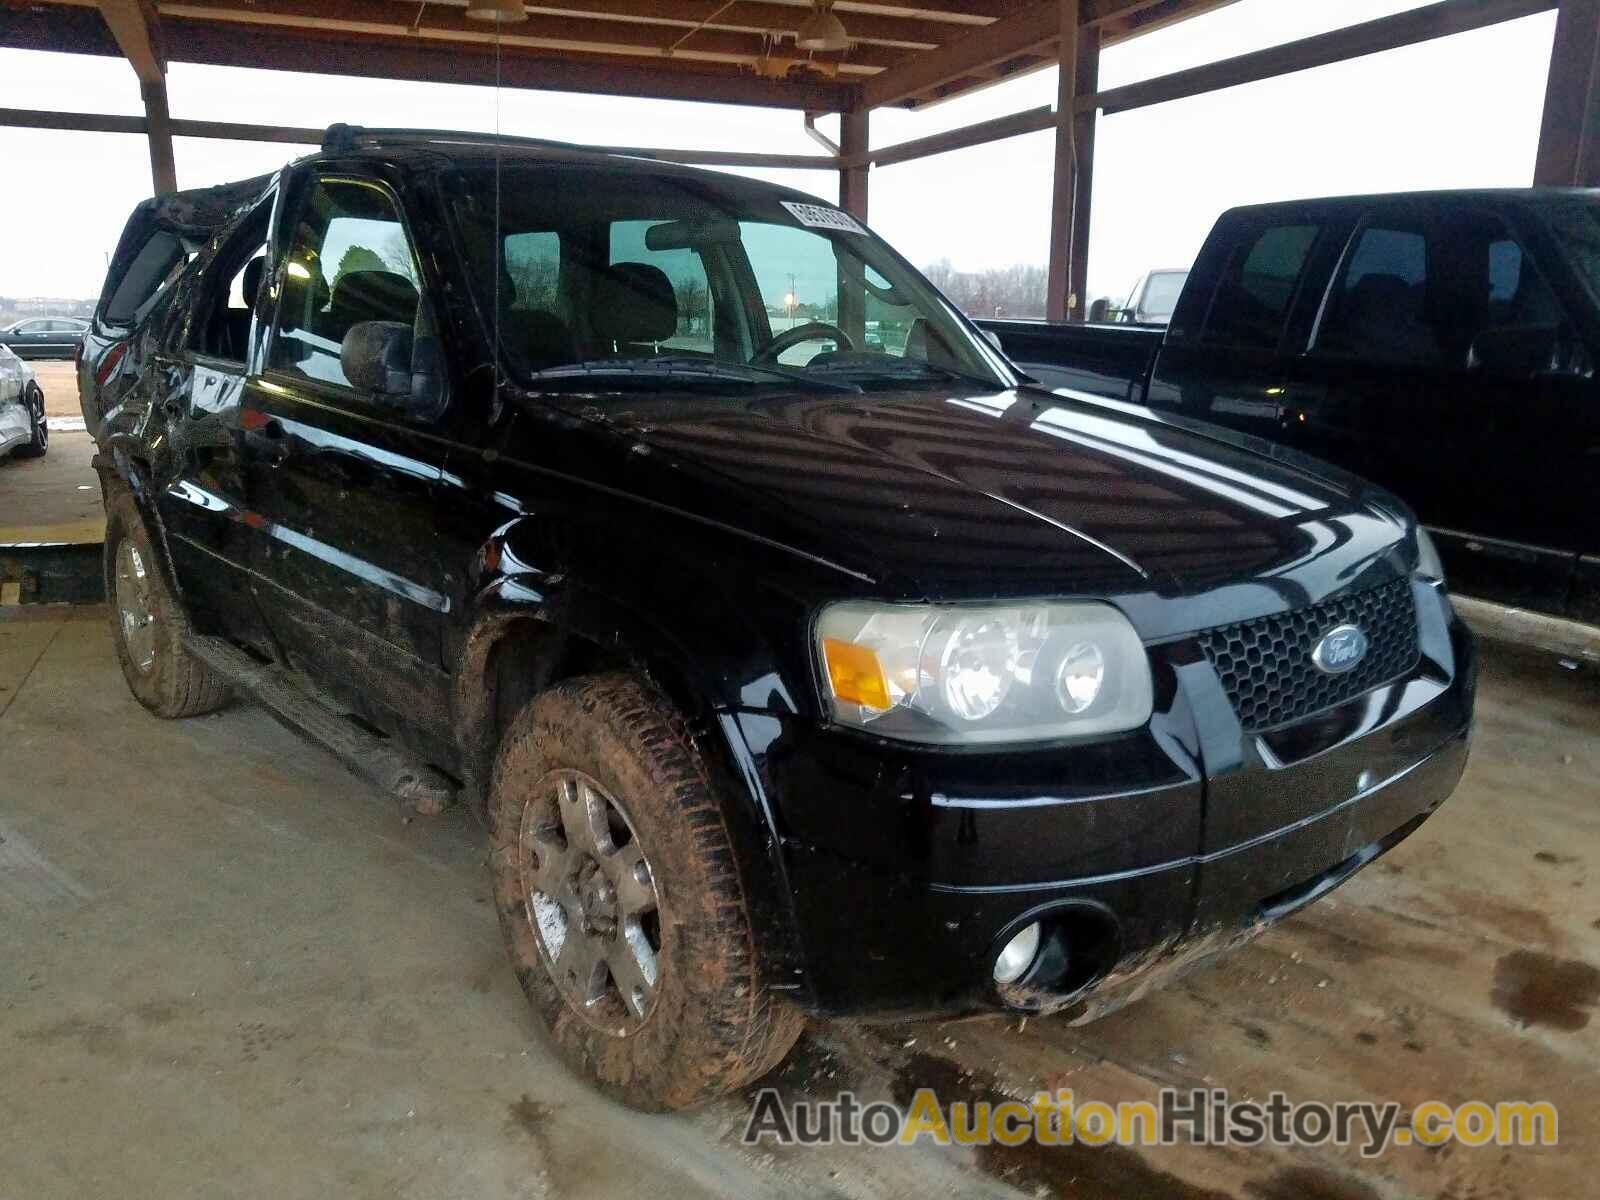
(388, 362)
(376, 357)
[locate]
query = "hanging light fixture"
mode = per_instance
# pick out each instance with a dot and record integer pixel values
(822, 30)
(501, 12)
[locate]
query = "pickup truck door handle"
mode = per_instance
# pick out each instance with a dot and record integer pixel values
(268, 441)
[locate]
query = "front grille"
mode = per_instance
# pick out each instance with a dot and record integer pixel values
(1266, 665)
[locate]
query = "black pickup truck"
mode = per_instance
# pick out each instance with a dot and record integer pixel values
(1442, 344)
(790, 675)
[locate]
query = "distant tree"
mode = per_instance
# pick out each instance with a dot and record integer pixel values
(358, 258)
(536, 282)
(694, 305)
(1014, 291)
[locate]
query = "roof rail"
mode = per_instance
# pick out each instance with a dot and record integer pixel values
(347, 137)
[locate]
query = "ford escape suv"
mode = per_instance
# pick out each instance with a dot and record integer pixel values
(792, 670)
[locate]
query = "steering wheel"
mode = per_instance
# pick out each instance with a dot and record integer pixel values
(811, 331)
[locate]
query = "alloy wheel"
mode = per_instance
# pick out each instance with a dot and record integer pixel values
(591, 900)
(135, 607)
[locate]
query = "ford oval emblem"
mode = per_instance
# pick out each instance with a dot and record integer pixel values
(1340, 650)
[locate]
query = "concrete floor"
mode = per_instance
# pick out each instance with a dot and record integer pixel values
(228, 969)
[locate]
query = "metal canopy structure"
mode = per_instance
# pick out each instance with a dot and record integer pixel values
(901, 53)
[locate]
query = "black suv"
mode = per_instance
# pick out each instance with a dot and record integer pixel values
(794, 672)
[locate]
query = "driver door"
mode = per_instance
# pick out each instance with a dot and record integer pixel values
(354, 587)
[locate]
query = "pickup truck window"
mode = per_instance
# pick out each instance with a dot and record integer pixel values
(1426, 294)
(1379, 308)
(1258, 286)
(350, 261)
(1577, 226)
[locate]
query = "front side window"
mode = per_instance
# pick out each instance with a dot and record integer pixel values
(668, 281)
(1258, 286)
(349, 262)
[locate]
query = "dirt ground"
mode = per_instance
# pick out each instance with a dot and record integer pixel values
(228, 969)
(55, 498)
(59, 379)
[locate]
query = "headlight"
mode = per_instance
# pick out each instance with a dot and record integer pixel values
(976, 674)
(1429, 565)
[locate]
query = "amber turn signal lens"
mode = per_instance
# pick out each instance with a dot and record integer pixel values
(854, 675)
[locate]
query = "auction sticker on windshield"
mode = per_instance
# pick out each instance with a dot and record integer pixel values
(820, 216)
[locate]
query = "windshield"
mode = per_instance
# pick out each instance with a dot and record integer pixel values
(1161, 293)
(1577, 225)
(667, 280)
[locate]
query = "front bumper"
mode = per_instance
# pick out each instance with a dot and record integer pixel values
(909, 870)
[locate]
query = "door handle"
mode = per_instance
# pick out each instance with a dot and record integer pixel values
(268, 440)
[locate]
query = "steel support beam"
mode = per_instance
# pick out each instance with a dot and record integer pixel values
(1569, 136)
(28, 118)
(1059, 296)
(1083, 130)
(137, 31)
(158, 132)
(1354, 41)
(854, 136)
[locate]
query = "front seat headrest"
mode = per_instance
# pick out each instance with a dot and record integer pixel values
(542, 337)
(634, 302)
(374, 296)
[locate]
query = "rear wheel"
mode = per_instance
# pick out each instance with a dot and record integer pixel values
(620, 900)
(34, 400)
(147, 625)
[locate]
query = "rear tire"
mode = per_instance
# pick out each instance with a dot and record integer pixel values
(147, 625)
(34, 399)
(703, 1021)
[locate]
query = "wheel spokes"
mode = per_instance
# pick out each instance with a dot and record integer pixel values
(632, 963)
(630, 877)
(582, 964)
(593, 903)
(583, 818)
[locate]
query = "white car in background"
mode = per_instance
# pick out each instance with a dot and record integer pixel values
(22, 424)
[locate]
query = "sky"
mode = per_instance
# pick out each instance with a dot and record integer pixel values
(1461, 111)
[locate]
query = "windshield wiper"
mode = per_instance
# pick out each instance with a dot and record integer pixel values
(686, 367)
(903, 368)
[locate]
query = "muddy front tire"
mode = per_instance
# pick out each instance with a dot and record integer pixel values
(620, 899)
(147, 625)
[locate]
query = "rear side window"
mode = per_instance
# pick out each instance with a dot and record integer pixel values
(152, 269)
(349, 262)
(1258, 285)
(684, 270)
(533, 261)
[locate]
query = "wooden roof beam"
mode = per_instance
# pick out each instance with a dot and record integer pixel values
(1405, 28)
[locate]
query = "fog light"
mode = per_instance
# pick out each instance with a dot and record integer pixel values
(1018, 955)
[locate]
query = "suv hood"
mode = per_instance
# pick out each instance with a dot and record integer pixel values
(1026, 492)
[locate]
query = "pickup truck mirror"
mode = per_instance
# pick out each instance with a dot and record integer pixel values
(388, 362)
(1525, 351)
